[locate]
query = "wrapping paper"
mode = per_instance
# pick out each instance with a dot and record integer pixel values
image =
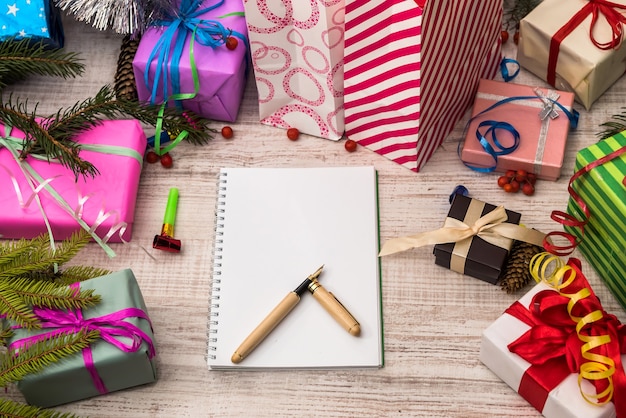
(535, 349)
(69, 380)
(105, 202)
(603, 191)
(542, 126)
(581, 67)
(222, 73)
(35, 19)
(297, 54)
(412, 70)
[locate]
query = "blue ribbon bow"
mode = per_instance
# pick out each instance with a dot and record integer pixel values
(494, 126)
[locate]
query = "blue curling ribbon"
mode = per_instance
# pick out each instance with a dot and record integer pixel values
(495, 126)
(504, 69)
(186, 22)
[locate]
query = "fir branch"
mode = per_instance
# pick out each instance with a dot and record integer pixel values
(39, 141)
(41, 260)
(54, 136)
(73, 274)
(21, 57)
(52, 295)
(15, 364)
(14, 308)
(68, 123)
(10, 409)
(614, 126)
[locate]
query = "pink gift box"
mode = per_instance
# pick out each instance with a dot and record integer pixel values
(106, 200)
(222, 72)
(564, 400)
(542, 141)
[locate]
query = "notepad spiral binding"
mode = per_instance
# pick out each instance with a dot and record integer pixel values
(217, 265)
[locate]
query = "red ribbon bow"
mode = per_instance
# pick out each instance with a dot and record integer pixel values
(555, 347)
(595, 8)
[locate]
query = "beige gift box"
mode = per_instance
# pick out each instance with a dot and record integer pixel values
(581, 67)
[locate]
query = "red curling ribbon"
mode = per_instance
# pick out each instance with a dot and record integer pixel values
(111, 326)
(563, 340)
(569, 220)
(595, 8)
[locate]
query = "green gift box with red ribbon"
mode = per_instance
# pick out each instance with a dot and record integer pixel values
(559, 349)
(123, 357)
(598, 203)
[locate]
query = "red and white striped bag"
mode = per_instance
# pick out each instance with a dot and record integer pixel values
(411, 70)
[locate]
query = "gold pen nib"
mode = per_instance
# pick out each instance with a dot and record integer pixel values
(316, 274)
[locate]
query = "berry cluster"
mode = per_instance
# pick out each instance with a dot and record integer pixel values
(166, 159)
(512, 181)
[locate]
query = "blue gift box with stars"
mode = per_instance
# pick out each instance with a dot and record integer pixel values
(33, 19)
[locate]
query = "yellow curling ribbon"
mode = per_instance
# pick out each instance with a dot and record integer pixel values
(550, 269)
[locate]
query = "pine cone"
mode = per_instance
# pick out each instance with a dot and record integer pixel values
(517, 274)
(125, 86)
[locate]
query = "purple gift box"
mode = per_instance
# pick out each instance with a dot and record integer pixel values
(221, 71)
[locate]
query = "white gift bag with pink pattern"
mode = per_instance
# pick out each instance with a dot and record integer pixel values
(297, 54)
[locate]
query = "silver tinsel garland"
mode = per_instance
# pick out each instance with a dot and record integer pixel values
(129, 17)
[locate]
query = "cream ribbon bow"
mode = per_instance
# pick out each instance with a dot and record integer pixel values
(491, 227)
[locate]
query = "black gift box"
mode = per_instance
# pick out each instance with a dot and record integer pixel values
(474, 256)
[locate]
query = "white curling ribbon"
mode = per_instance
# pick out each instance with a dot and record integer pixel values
(33, 178)
(490, 227)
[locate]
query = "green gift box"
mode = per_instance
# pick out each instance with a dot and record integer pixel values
(603, 190)
(132, 364)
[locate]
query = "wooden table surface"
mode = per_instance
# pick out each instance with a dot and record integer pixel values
(433, 317)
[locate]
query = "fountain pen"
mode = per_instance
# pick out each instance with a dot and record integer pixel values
(325, 298)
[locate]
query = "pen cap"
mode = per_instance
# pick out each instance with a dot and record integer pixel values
(170, 209)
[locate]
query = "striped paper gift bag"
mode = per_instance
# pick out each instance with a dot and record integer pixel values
(411, 70)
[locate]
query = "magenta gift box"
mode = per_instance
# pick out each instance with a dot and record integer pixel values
(221, 72)
(542, 141)
(106, 200)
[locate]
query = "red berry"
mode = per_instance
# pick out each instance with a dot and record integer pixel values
(231, 43)
(293, 134)
(508, 188)
(505, 36)
(350, 145)
(510, 173)
(532, 178)
(227, 132)
(521, 175)
(514, 186)
(152, 157)
(502, 180)
(166, 160)
(528, 189)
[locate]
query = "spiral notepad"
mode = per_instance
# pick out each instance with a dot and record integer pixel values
(274, 227)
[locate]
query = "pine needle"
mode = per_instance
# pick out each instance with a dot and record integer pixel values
(20, 58)
(10, 409)
(614, 126)
(15, 364)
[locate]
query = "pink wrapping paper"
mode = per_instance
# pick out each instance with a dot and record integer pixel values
(542, 142)
(107, 200)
